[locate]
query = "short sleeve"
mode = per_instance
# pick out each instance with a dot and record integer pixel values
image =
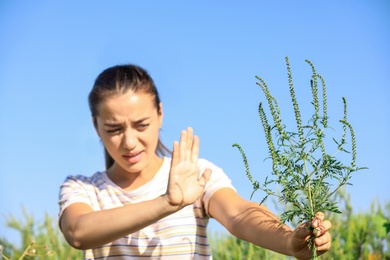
(73, 190)
(218, 180)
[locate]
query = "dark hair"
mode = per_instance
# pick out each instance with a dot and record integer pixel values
(118, 80)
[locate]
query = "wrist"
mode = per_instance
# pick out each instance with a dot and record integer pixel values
(289, 242)
(167, 205)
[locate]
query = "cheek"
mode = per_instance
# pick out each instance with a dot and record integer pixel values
(110, 141)
(150, 138)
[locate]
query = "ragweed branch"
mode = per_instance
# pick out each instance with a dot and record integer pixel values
(301, 165)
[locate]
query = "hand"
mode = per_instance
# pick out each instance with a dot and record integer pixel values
(184, 185)
(301, 235)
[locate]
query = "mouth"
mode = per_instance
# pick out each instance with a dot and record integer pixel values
(133, 157)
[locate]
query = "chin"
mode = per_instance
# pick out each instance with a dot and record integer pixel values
(135, 168)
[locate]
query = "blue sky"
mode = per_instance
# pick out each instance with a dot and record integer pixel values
(203, 57)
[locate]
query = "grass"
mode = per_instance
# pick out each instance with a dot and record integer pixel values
(362, 235)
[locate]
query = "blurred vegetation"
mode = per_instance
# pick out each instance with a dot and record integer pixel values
(38, 240)
(355, 236)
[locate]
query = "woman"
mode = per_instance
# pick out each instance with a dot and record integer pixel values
(146, 204)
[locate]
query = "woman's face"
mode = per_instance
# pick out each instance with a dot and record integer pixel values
(128, 125)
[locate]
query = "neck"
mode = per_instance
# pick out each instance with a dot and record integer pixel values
(133, 180)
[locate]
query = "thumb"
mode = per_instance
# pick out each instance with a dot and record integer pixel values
(303, 232)
(204, 178)
(307, 229)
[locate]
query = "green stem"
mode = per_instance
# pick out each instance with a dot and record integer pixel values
(309, 188)
(3, 256)
(26, 251)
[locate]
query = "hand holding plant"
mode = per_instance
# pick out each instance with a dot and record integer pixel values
(306, 173)
(314, 232)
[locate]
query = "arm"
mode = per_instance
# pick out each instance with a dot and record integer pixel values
(254, 223)
(84, 228)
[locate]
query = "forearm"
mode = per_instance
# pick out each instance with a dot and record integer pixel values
(258, 225)
(100, 227)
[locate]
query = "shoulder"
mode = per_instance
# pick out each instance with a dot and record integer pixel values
(204, 164)
(96, 179)
(203, 161)
(218, 176)
(79, 186)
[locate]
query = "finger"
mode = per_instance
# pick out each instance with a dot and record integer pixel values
(320, 216)
(190, 140)
(318, 224)
(323, 243)
(317, 220)
(183, 145)
(322, 228)
(175, 153)
(195, 150)
(327, 225)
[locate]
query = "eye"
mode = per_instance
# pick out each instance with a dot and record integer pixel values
(142, 127)
(114, 131)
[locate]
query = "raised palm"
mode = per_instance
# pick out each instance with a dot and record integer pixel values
(185, 185)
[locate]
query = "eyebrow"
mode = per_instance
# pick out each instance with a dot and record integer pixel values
(118, 124)
(112, 124)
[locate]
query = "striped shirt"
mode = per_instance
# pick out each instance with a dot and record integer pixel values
(181, 235)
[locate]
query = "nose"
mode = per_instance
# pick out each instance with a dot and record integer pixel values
(129, 140)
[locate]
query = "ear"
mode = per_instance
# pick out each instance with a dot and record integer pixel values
(160, 116)
(95, 125)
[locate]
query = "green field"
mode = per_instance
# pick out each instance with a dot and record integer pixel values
(355, 235)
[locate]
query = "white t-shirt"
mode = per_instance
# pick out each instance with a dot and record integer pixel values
(181, 235)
